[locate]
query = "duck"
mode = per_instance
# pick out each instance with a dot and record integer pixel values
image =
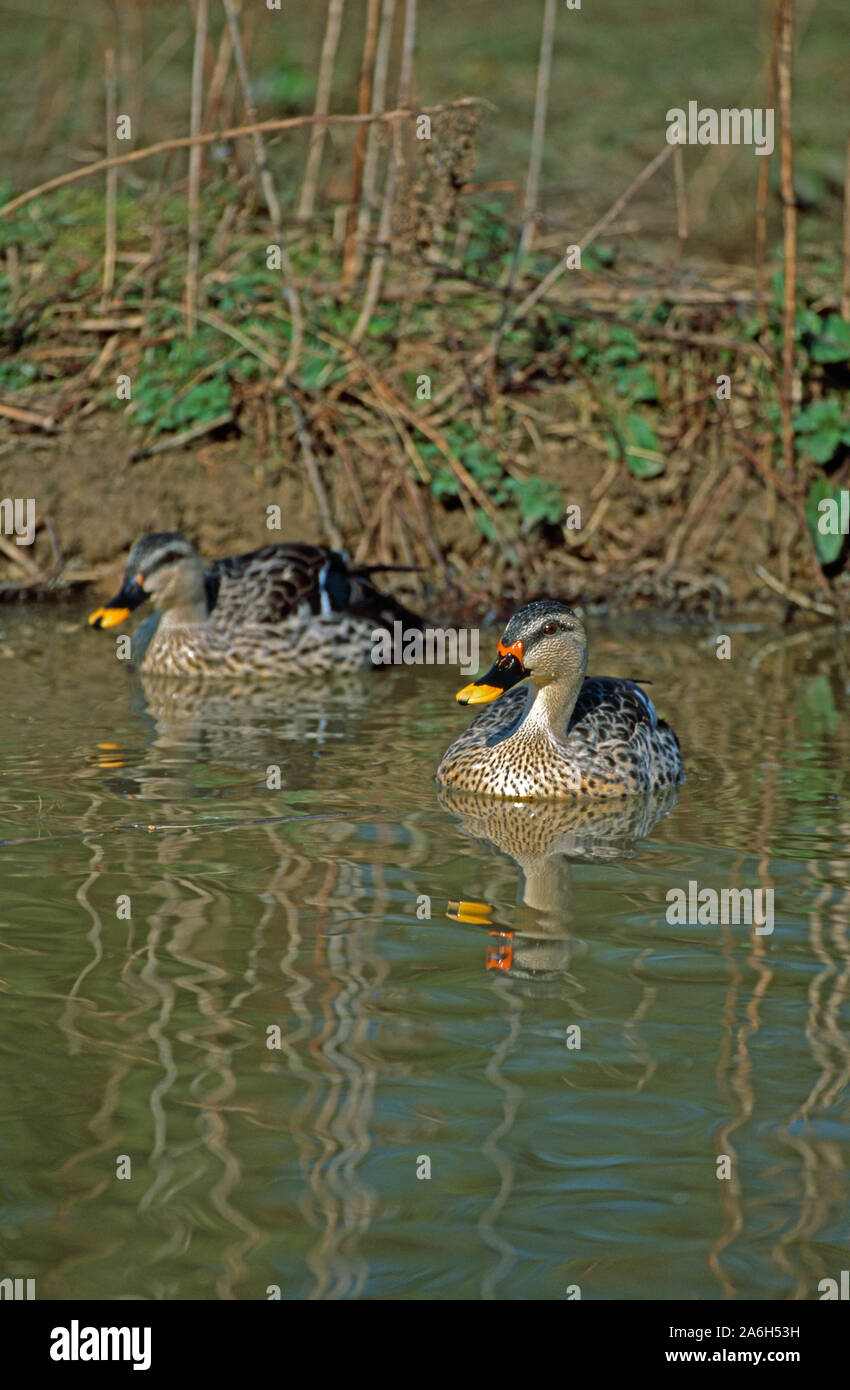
(283, 609)
(559, 735)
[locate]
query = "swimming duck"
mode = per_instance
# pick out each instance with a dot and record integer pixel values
(279, 610)
(562, 734)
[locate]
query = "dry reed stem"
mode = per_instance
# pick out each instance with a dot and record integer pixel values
(218, 78)
(111, 179)
(376, 269)
(195, 158)
(681, 199)
(845, 276)
(364, 104)
(789, 218)
(323, 95)
(394, 167)
(538, 132)
(370, 169)
(312, 470)
(269, 193)
(764, 171)
(405, 79)
(185, 142)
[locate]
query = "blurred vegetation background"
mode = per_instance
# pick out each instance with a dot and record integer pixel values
(303, 381)
(617, 66)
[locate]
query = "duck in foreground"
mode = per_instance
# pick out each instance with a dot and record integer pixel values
(280, 610)
(562, 735)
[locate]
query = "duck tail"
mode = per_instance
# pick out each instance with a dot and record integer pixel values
(382, 609)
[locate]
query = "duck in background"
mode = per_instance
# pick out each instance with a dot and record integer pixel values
(280, 610)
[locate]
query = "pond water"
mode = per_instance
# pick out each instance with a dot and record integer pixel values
(167, 914)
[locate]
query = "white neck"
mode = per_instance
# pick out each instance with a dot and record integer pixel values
(549, 711)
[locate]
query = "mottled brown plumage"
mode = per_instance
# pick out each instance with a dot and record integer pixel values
(279, 610)
(563, 735)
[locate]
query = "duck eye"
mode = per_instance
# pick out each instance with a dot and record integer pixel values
(550, 628)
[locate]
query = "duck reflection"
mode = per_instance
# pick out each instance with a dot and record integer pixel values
(543, 838)
(256, 724)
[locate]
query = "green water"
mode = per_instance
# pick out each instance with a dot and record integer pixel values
(405, 1038)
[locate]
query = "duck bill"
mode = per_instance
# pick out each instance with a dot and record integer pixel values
(119, 608)
(508, 670)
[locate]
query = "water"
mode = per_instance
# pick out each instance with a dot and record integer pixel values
(407, 1040)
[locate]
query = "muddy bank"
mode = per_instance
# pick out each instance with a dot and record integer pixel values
(689, 550)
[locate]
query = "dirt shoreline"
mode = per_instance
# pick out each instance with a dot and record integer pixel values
(92, 503)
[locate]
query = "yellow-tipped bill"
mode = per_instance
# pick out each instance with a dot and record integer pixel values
(108, 617)
(118, 609)
(506, 671)
(475, 694)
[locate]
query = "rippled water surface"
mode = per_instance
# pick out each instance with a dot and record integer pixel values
(237, 988)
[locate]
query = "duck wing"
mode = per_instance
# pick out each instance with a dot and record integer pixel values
(280, 581)
(612, 710)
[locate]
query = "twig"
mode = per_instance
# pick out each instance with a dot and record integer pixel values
(111, 179)
(176, 441)
(17, 557)
(323, 94)
(312, 469)
(792, 596)
(184, 142)
(195, 159)
(27, 417)
(789, 219)
(538, 133)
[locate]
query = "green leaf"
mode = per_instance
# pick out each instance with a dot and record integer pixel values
(444, 484)
(820, 447)
(537, 500)
(833, 342)
(643, 448)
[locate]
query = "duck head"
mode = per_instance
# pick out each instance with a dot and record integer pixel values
(544, 640)
(164, 567)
